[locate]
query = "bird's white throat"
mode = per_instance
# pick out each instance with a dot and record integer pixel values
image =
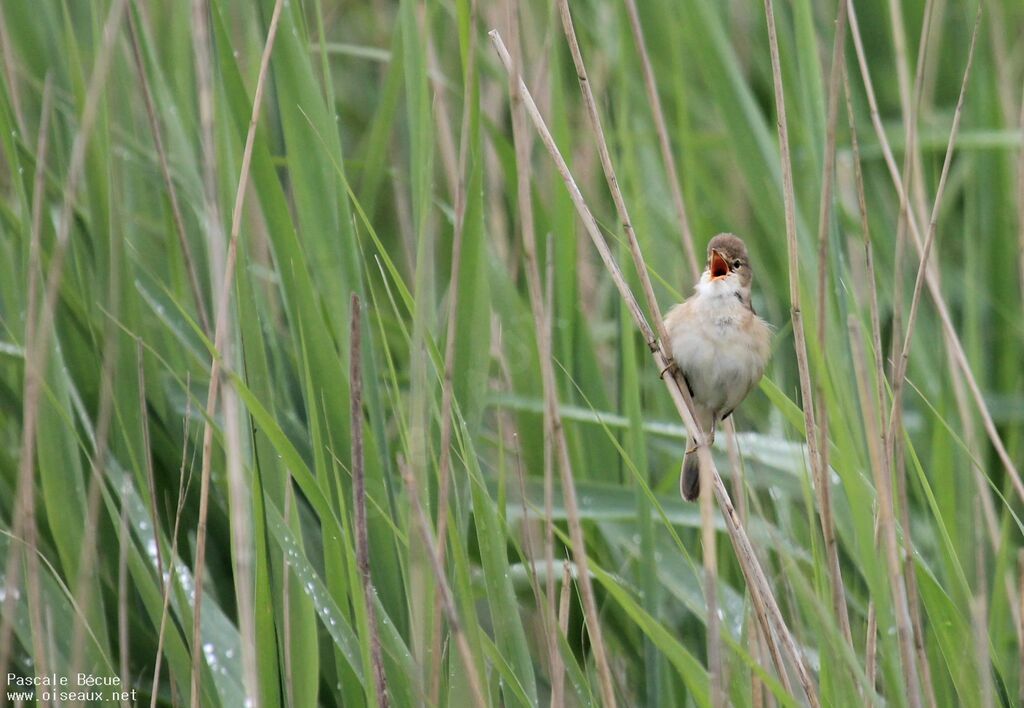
(721, 291)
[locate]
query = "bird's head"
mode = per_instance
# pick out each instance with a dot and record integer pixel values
(727, 264)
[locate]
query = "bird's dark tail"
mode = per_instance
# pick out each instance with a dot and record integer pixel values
(689, 485)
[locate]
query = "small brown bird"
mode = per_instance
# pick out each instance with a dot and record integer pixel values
(718, 342)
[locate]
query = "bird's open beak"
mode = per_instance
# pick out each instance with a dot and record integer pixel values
(719, 266)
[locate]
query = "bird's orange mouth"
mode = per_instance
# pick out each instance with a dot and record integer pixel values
(719, 266)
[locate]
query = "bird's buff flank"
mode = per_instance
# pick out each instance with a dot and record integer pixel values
(718, 342)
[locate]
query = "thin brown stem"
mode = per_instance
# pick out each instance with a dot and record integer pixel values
(824, 221)
(553, 420)
(380, 693)
(541, 305)
(949, 331)
(820, 475)
(901, 364)
(240, 539)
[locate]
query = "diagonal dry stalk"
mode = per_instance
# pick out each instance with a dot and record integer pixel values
(554, 430)
(768, 611)
(714, 646)
(931, 281)
(359, 495)
(822, 487)
(542, 306)
(707, 529)
(661, 128)
(221, 343)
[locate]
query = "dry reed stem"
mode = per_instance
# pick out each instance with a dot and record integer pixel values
(24, 523)
(912, 178)
(380, 692)
(820, 475)
(757, 687)
(901, 363)
(885, 523)
(824, 220)
(212, 225)
(553, 420)
(448, 600)
(661, 128)
(714, 647)
(769, 614)
(879, 398)
(796, 315)
(900, 375)
(447, 392)
(236, 482)
(541, 304)
(563, 602)
(954, 351)
(949, 330)
(870, 405)
(165, 171)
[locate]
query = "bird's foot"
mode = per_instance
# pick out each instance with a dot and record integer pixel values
(672, 367)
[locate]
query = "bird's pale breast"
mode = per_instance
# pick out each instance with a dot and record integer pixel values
(721, 346)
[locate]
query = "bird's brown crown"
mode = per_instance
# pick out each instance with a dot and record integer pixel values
(729, 245)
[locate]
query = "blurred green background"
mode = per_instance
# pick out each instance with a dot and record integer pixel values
(384, 129)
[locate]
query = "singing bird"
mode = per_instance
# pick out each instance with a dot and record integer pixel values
(718, 342)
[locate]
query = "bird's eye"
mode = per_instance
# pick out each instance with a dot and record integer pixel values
(736, 263)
